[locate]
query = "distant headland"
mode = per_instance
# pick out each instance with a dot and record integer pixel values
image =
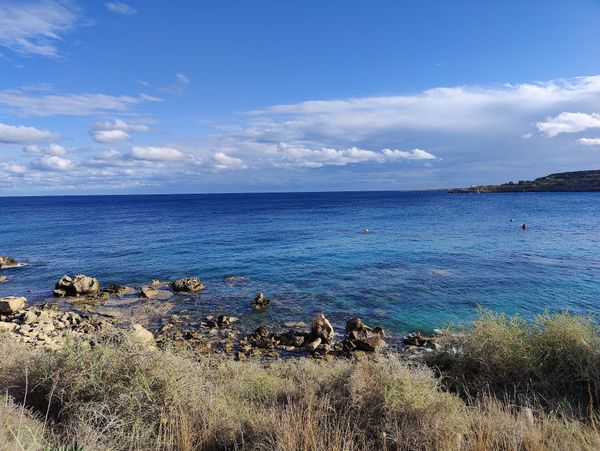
(578, 181)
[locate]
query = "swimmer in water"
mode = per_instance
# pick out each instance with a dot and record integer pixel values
(523, 226)
(366, 230)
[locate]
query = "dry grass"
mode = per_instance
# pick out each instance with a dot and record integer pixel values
(122, 395)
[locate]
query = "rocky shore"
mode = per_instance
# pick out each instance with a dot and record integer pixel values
(76, 314)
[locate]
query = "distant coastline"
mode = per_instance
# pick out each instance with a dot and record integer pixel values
(578, 181)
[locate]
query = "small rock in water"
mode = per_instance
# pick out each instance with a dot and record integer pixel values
(3, 279)
(12, 304)
(155, 283)
(188, 285)
(234, 279)
(260, 302)
(294, 324)
(8, 262)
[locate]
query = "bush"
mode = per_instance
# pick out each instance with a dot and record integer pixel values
(553, 360)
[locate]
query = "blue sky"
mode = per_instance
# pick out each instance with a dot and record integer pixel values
(233, 96)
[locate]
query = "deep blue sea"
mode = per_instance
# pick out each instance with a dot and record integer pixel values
(428, 260)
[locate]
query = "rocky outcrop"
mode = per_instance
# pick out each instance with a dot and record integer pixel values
(48, 327)
(260, 302)
(80, 285)
(188, 285)
(8, 262)
(362, 337)
(12, 304)
(3, 279)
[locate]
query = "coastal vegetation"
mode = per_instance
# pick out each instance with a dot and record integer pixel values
(500, 383)
(578, 181)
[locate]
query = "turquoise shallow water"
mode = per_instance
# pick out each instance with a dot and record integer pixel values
(429, 259)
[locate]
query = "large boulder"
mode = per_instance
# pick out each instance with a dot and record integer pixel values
(141, 334)
(322, 328)
(12, 304)
(188, 285)
(8, 262)
(80, 285)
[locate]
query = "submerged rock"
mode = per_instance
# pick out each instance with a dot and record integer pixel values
(80, 285)
(234, 279)
(8, 262)
(12, 304)
(153, 293)
(118, 290)
(260, 302)
(188, 285)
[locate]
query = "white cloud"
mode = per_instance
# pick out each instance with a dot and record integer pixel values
(300, 156)
(109, 136)
(13, 168)
(51, 149)
(567, 122)
(53, 163)
(36, 27)
(182, 78)
(119, 124)
(27, 104)
(589, 141)
(121, 8)
(224, 161)
(20, 134)
(415, 154)
(156, 153)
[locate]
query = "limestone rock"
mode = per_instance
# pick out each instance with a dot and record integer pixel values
(142, 334)
(188, 285)
(3, 279)
(8, 262)
(322, 328)
(153, 293)
(80, 285)
(11, 304)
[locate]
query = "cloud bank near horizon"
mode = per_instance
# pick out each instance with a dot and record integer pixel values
(430, 137)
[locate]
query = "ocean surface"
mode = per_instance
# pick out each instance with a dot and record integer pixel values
(428, 260)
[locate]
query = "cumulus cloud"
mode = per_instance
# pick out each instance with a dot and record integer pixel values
(109, 136)
(30, 104)
(293, 155)
(156, 153)
(13, 168)
(224, 161)
(52, 163)
(121, 8)
(567, 122)
(51, 149)
(589, 141)
(36, 27)
(119, 124)
(20, 134)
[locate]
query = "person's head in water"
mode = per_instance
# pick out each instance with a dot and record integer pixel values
(523, 226)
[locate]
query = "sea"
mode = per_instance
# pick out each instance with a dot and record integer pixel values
(405, 261)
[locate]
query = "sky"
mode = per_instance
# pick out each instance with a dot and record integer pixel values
(110, 97)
